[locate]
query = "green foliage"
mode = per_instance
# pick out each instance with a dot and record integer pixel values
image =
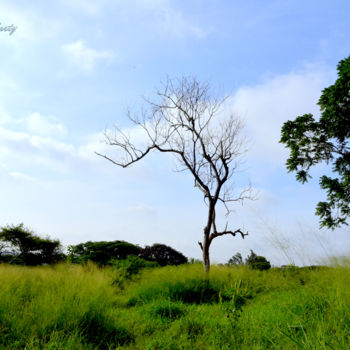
(20, 245)
(163, 255)
(254, 261)
(257, 262)
(236, 260)
(101, 252)
(327, 140)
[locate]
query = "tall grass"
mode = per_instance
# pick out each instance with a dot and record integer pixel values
(75, 307)
(64, 307)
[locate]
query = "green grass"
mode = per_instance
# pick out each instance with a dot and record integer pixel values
(81, 307)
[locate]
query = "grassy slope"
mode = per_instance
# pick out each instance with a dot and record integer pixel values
(74, 307)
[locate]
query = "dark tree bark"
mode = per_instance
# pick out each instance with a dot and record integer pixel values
(187, 121)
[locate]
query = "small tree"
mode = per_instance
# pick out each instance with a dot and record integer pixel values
(236, 260)
(257, 262)
(327, 140)
(21, 245)
(163, 255)
(185, 121)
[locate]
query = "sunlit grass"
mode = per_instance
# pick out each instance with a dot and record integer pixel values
(80, 307)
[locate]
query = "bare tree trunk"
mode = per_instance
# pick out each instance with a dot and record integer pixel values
(206, 243)
(206, 261)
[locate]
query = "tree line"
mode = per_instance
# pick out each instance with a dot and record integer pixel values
(21, 246)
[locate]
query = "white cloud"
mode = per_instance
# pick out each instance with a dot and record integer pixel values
(44, 126)
(85, 57)
(21, 176)
(20, 147)
(160, 16)
(90, 7)
(267, 106)
(175, 23)
(94, 143)
(5, 117)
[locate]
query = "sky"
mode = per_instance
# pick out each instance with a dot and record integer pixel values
(70, 69)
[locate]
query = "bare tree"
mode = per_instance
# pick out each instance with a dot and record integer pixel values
(185, 120)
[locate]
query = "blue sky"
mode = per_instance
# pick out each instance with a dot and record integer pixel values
(71, 68)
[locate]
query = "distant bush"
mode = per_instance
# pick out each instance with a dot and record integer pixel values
(19, 245)
(102, 253)
(254, 261)
(257, 262)
(163, 255)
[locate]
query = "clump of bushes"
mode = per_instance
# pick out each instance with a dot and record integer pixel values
(256, 262)
(101, 253)
(107, 253)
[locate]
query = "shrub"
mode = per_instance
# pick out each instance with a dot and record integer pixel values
(260, 263)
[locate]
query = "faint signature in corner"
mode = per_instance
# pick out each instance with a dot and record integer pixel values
(10, 29)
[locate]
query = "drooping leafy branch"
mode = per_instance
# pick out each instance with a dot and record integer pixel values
(327, 140)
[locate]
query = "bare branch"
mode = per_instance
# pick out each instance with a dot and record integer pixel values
(227, 232)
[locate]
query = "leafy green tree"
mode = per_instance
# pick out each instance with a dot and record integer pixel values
(257, 262)
(20, 245)
(236, 260)
(326, 140)
(251, 258)
(101, 252)
(163, 255)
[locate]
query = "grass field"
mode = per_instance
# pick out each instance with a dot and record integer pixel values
(84, 307)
